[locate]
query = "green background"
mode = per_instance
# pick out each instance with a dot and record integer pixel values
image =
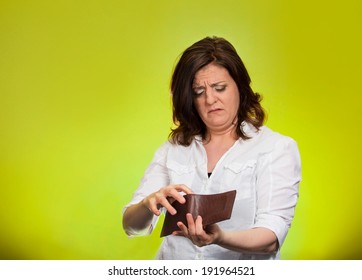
(84, 103)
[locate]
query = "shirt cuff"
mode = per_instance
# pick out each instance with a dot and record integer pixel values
(275, 224)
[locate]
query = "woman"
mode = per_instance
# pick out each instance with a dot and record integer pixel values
(219, 144)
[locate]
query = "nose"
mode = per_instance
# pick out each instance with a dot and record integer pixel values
(210, 97)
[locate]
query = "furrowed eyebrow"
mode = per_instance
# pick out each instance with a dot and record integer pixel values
(217, 83)
(196, 86)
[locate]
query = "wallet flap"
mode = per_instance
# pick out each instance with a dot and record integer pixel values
(212, 208)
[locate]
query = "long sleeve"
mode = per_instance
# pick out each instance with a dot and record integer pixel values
(277, 187)
(155, 177)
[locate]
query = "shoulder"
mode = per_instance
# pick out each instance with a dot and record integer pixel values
(267, 139)
(268, 134)
(279, 146)
(171, 148)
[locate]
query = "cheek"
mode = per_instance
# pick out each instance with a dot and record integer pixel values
(232, 103)
(236, 102)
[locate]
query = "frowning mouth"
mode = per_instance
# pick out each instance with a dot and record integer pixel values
(215, 110)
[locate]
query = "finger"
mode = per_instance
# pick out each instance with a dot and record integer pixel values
(151, 206)
(190, 224)
(199, 228)
(178, 233)
(165, 203)
(177, 196)
(183, 228)
(183, 188)
(154, 210)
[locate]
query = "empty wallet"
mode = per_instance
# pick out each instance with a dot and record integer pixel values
(212, 208)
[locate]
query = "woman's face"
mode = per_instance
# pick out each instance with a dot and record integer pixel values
(216, 97)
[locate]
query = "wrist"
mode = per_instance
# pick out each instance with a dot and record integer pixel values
(145, 205)
(219, 239)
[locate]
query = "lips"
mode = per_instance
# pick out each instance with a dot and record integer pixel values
(215, 110)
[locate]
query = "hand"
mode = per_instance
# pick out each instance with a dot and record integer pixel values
(197, 233)
(164, 197)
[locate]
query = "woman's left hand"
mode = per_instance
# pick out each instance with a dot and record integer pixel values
(197, 233)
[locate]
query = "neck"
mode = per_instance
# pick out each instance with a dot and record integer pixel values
(221, 135)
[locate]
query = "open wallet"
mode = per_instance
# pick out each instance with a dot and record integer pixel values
(212, 208)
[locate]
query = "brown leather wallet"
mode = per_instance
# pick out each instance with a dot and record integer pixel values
(212, 208)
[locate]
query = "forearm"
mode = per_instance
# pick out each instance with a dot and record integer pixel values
(257, 240)
(137, 218)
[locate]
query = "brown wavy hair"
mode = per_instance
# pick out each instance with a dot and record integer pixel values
(210, 50)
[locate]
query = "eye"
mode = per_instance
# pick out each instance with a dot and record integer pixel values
(220, 88)
(198, 91)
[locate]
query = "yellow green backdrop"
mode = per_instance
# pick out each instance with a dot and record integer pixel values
(84, 103)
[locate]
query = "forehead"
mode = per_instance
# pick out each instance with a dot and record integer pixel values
(211, 73)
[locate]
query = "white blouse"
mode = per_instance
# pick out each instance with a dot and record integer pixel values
(265, 171)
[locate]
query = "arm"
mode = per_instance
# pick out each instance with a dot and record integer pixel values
(258, 240)
(137, 218)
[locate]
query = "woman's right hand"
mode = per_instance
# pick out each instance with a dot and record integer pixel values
(164, 197)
